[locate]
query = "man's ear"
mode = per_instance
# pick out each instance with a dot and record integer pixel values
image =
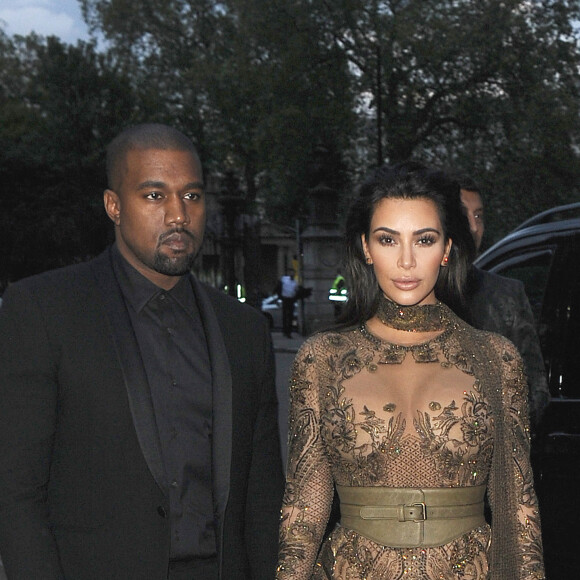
(112, 206)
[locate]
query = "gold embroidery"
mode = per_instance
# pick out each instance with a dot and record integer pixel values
(411, 318)
(339, 434)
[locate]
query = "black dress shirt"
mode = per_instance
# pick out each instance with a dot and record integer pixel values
(173, 347)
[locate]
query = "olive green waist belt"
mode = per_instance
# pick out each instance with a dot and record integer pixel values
(403, 517)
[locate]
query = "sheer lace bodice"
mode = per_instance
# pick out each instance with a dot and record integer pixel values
(400, 418)
(365, 412)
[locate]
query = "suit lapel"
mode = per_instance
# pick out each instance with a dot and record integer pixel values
(222, 399)
(138, 391)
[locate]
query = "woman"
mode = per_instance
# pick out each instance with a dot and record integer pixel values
(409, 412)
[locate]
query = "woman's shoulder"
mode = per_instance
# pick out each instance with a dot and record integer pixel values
(481, 340)
(330, 340)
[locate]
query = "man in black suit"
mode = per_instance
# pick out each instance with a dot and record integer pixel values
(138, 430)
(500, 304)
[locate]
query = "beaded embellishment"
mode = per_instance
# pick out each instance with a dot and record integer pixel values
(425, 318)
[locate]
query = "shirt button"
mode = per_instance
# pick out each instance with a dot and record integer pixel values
(162, 511)
(174, 483)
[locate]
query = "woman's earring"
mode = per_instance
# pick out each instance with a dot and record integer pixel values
(369, 261)
(445, 260)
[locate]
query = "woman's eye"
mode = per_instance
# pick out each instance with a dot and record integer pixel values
(427, 240)
(385, 240)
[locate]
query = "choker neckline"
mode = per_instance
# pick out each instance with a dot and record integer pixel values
(425, 318)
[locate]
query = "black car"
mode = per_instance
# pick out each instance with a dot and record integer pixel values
(544, 253)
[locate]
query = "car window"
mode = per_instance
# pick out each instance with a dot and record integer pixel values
(562, 314)
(552, 312)
(568, 381)
(553, 289)
(533, 269)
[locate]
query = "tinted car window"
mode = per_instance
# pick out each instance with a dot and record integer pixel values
(553, 288)
(533, 269)
(561, 319)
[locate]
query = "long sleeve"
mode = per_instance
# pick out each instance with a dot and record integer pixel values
(500, 305)
(528, 540)
(309, 484)
(28, 394)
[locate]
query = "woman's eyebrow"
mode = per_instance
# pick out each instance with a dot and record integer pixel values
(415, 233)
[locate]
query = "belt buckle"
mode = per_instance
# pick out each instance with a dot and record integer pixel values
(413, 512)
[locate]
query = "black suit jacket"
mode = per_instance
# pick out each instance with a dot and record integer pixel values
(83, 493)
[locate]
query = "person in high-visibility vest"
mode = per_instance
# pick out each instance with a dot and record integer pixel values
(338, 294)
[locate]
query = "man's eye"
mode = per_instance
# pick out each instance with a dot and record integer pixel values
(193, 196)
(153, 195)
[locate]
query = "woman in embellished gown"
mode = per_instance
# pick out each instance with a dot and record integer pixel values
(410, 414)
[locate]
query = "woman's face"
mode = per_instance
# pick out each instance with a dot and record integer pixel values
(406, 246)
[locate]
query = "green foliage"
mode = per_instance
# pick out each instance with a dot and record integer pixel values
(54, 125)
(255, 82)
(486, 87)
(291, 97)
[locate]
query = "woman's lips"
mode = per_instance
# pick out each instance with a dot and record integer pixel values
(406, 283)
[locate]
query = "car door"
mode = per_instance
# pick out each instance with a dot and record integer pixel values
(550, 270)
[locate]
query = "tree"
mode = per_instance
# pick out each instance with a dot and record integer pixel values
(293, 95)
(489, 87)
(57, 119)
(253, 82)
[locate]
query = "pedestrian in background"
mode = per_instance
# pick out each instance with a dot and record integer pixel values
(287, 288)
(500, 304)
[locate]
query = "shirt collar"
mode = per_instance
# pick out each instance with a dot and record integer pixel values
(139, 291)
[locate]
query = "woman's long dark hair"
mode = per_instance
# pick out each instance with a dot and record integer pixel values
(407, 180)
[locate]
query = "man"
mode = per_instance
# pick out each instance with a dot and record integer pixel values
(338, 294)
(138, 429)
(287, 287)
(500, 304)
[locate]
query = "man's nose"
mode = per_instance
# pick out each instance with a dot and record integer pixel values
(472, 223)
(176, 211)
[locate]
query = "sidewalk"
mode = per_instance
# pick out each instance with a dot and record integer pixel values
(282, 344)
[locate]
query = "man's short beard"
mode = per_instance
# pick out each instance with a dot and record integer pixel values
(176, 266)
